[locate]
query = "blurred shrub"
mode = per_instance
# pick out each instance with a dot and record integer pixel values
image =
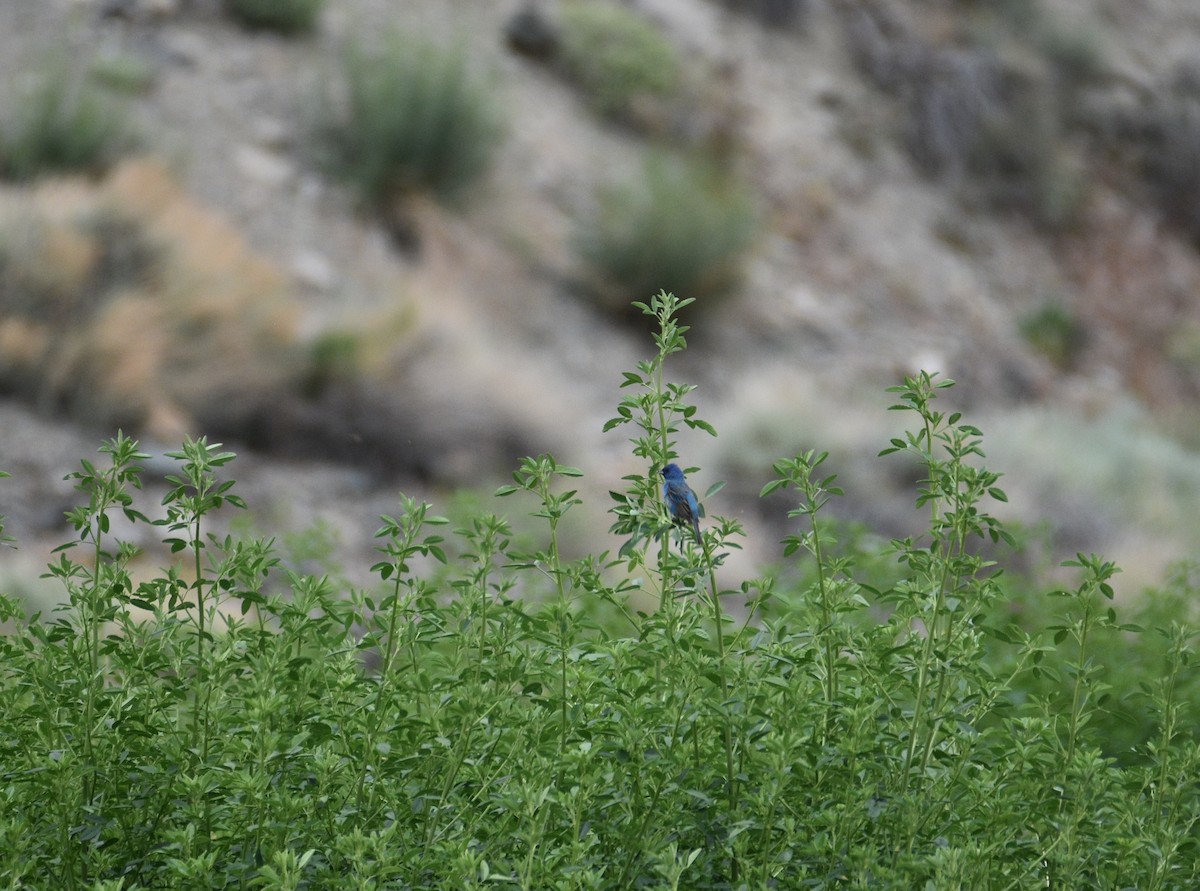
(530, 32)
(676, 226)
(619, 59)
(996, 130)
(953, 95)
(129, 305)
(412, 117)
(284, 16)
(1171, 156)
(986, 115)
(123, 73)
(126, 304)
(777, 13)
(1055, 333)
(61, 122)
(333, 359)
(1075, 54)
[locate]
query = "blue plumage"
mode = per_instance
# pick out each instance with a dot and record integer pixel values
(680, 499)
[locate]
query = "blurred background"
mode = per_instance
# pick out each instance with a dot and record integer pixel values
(375, 245)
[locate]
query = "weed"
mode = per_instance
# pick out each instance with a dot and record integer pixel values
(61, 122)
(413, 117)
(124, 73)
(1053, 331)
(675, 222)
(618, 58)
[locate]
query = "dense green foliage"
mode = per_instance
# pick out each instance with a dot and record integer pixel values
(489, 717)
(414, 117)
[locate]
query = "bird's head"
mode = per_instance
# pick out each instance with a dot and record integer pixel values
(672, 473)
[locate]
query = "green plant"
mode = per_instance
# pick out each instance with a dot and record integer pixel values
(414, 117)
(617, 57)
(1055, 333)
(490, 718)
(1130, 668)
(61, 122)
(124, 73)
(334, 358)
(284, 16)
(675, 222)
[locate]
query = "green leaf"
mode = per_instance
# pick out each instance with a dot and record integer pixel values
(772, 486)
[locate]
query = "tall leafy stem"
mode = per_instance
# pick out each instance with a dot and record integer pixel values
(800, 473)
(945, 580)
(657, 408)
(1173, 764)
(1080, 628)
(94, 591)
(537, 475)
(404, 539)
(196, 492)
(1078, 763)
(489, 538)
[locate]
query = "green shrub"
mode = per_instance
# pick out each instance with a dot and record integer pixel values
(617, 57)
(1130, 667)
(528, 720)
(1055, 333)
(413, 117)
(675, 222)
(124, 73)
(61, 123)
(285, 16)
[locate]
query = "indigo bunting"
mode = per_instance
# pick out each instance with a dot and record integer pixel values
(681, 500)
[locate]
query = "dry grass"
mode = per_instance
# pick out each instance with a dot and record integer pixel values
(126, 303)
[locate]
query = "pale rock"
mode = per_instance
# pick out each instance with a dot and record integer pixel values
(314, 270)
(263, 166)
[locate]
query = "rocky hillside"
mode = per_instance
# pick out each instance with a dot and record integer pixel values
(995, 191)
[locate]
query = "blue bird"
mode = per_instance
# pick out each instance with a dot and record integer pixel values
(681, 500)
